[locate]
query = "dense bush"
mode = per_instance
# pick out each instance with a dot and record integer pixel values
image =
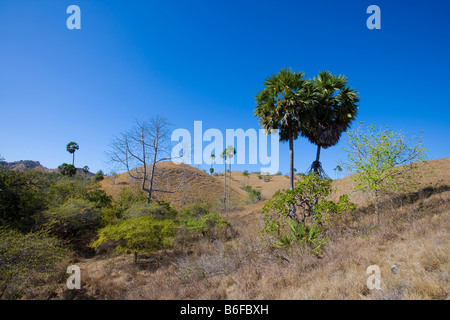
(196, 209)
(99, 176)
(158, 210)
(253, 195)
(142, 234)
(67, 170)
(73, 219)
(309, 199)
(308, 235)
(198, 218)
(126, 199)
(22, 195)
(22, 256)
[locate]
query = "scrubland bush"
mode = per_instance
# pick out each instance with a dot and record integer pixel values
(198, 218)
(22, 195)
(72, 220)
(253, 195)
(158, 210)
(142, 234)
(24, 257)
(308, 197)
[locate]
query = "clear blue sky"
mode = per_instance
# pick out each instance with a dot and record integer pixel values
(206, 60)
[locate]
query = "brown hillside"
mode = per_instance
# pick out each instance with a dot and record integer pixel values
(196, 185)
(434, 173)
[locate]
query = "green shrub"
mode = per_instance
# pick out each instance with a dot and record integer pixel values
(95, 194)
(158, 210)
(142, 234)
(126, 199)
(253, 195)
(307, 235)
(67, 170)
(99, 176)
(196, 209)
(22, 195)
(209, 225)
(308, 197)
(73, 219)
(24, 257)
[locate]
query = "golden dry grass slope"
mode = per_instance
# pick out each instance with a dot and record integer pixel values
(413, 233)
(191, 184)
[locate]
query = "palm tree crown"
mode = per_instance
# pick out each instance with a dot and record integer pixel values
(71, 148)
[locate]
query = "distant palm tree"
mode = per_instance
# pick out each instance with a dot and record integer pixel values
(339, 170)
(332, 110)
(246, 175)
(231, 152)
(213, 156)
(71, 148)
(224, 156)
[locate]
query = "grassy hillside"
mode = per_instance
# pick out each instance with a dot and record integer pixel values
(192, 184)
(413, 233)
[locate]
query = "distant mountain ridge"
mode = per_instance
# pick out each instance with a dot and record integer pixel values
(24, 165)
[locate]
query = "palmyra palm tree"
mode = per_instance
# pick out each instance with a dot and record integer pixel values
(71, 148)
(329, 114)
(213, 156)
(224, 156)
(231, 152)
(280, 106)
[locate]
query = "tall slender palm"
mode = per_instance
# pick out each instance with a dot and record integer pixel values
(330, 114)
(71, 148)
(231, 152)
(280, 106)
(213, 156)
(224, 156)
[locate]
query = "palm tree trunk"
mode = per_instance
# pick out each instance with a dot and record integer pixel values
(229, 187)
(73, 159)
(291, 156)
(316, 168)
(225, 184)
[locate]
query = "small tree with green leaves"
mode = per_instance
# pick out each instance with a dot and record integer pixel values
(99, 176)
(308, 196)
(143, 234)
(383, 161)
(67, 170)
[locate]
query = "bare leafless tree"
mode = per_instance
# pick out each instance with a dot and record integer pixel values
(140, 149)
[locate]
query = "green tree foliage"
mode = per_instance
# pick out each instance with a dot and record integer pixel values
(330, 112)
(67, 170)
(22, 195)
(99, 176)
(280, 106)
(142, 234)
(158, 210)
(198, 217)
(126, 199)
(384, 161)
(22, 256)
(74, 219)
(253, 195)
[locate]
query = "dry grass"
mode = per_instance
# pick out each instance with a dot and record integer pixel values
(414, 232)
